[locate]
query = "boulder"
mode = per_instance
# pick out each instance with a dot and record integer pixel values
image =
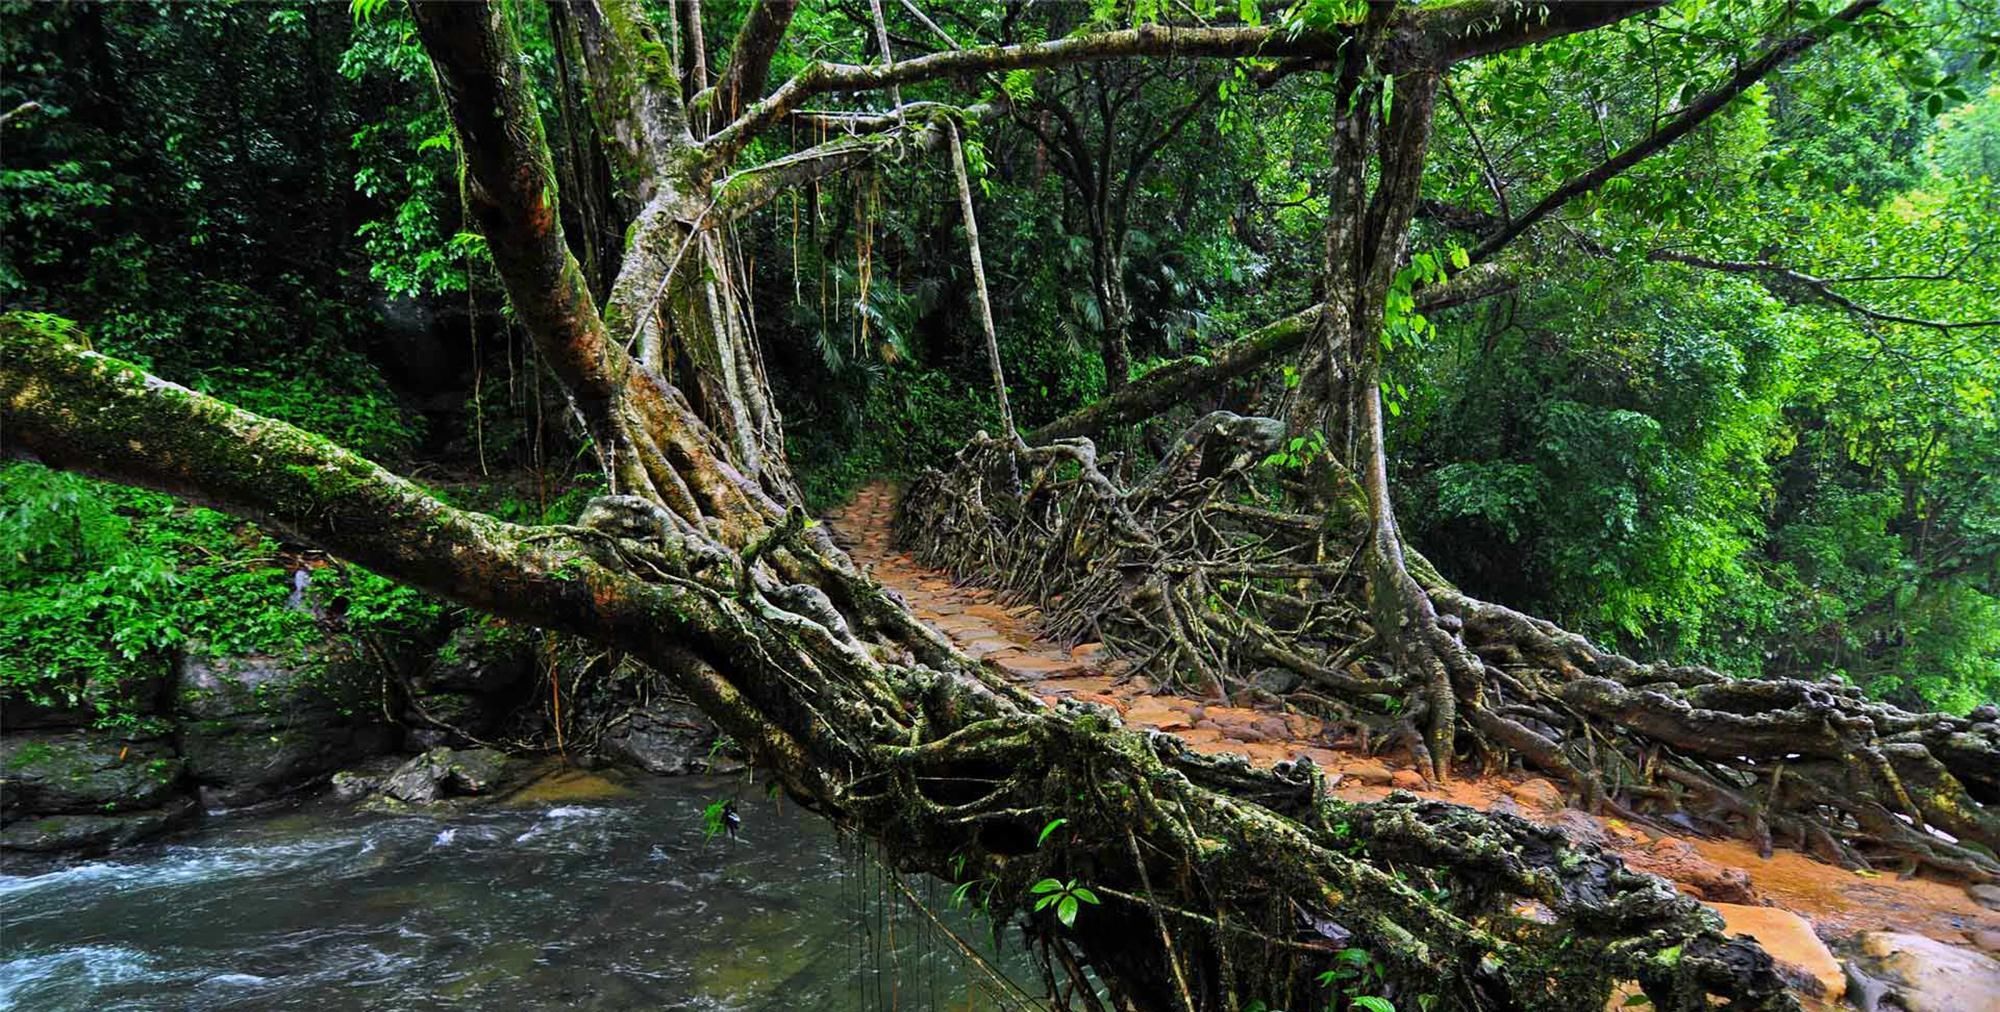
(480, 659)
(95, 832)
(85, 773)
(1408, 780)
(663, 738)
(1930, 976)
(444, 773)
(1790, 940)
(256, 727)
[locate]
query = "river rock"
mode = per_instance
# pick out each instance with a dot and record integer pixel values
(85, 772)
(255, 727)
(1790, 940)
(662, 738)
(443, 773)
(1987, 940)
(477, 679)
(1934, 977)
(95, 832)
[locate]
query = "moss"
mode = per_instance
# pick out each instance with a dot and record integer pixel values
(29, 755)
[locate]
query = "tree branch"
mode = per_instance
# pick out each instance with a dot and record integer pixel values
(1816, 287)
(1180, 380)
(1680, 126)
(750, 55)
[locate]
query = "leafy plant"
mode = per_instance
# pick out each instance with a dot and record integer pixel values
(1065, 897)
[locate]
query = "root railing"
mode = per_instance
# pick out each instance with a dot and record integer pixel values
(1203, 580)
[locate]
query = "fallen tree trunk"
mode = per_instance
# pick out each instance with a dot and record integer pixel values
(1254, 880)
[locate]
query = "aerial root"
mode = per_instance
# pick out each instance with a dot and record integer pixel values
(1201, 579)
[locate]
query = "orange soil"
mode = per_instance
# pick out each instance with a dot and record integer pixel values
(1837, 901)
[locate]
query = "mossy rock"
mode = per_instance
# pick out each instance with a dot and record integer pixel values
(272, 690)
(94, 833)
(85, 772)
(257, 727)
(443, 773)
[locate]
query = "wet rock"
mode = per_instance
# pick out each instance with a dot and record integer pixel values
(361, 781)
(668, 739)
(1930, 976)
(256, 727)
(1373, 774)
(85, 772)
(90, 833)
(1538, 793)
(1276, 681)
(1986, 893)
(444, 773)
(1790, 940)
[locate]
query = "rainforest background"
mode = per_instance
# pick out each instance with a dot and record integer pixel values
(261, 201)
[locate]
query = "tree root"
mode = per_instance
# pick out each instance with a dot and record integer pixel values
(1198, 568)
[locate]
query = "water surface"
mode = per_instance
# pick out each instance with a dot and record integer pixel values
(611, 902)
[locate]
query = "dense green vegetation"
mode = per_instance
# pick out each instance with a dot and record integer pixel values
(1711, 464)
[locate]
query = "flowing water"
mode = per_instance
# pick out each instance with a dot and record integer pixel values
(614, 902)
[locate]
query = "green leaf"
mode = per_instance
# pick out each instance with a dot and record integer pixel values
(1084, 894)
(1046, 830)
(1047, 885)
(1373, 1003)
(1066, 911)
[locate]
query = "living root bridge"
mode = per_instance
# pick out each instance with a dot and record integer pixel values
(1202, 577)
(1252, 881)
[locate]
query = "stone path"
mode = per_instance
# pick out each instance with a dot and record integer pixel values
(1726, 873)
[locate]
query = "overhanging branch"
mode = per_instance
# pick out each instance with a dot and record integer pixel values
(1177, 381)
(1682, 124)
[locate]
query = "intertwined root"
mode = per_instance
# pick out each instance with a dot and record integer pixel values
(1203, 579)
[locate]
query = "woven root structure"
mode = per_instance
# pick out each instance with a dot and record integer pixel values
(1200, 576)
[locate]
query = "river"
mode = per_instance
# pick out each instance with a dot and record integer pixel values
(593, 895)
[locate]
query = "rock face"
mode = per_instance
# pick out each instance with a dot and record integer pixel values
(662, 738)
(1790, 940)
(471, 687)
(87, 790)
(1930, 976)
(256, 727)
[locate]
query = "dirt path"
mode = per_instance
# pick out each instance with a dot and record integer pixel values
(1724, 872)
